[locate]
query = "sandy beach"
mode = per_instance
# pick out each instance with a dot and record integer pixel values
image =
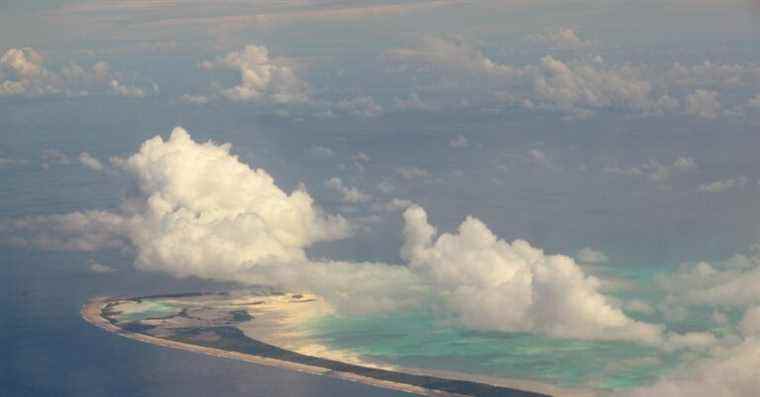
(276, 322)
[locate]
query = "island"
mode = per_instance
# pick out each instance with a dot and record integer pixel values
(253, 327)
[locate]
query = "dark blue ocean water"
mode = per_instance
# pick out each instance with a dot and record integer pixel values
(46, 349)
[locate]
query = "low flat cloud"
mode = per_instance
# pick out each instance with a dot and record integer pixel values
(349, 194)
(91, 162)
(724, 185)
(656, 171)
(24, 73)
(704, 104)
(578, 86)
(591, 256)
(563, 38)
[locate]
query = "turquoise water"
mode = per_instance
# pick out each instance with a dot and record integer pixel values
(149, 309)
(423, 340)
(419, 340)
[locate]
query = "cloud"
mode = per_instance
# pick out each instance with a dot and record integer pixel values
(218, 210)
(51, 157)
(729, 372)
(126, 91)
(194, 99)
(96, 267)
(655, 171)
(349, 195)
(734, 282)
(452, 56)
(196, 205)
(639, 306)
(78, 231)
(198, 211)
(386, 187)
(359, 107)
(750, 324)
(413, 102)
(320, 152)
(586, 85)
(662, 173)
(563, 38)
(360, 157)
(23, 68)
(148, 19)
(704, 104)
(724, 185)
(458, 142)
(492, 284)
(591, 256)
(732, 365)
(262, 79)
(397, 204)
(23, 73)
(541, 159)
(90, 162)
(711, 75)
(578, 86)
(410, 173)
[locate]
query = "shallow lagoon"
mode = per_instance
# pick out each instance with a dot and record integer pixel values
(418, 340)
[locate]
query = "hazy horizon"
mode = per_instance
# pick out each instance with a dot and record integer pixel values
(579, 173)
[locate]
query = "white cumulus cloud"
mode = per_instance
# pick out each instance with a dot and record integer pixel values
(704, 104)
(90, 162)
(585, 85)
(452, 55)
(458, 142)
(656, 171)
(492, 284)
(96, 267)
(197, 210)
(23, 73)
(731, 371)
(262, 78)
(348, 194)
(724, 185)
(563, 38)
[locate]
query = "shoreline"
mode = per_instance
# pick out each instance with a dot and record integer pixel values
(91, 312)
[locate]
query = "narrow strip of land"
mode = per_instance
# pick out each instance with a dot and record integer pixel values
(423, 385)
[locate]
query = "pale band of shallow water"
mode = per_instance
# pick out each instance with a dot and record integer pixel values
(279, 321)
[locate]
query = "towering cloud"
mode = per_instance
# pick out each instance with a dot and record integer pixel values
(202, 212)
(199, 211)
(492, 284)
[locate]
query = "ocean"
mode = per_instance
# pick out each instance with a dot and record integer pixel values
(46, 348)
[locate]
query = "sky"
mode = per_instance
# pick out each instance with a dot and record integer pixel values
(467, 155)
